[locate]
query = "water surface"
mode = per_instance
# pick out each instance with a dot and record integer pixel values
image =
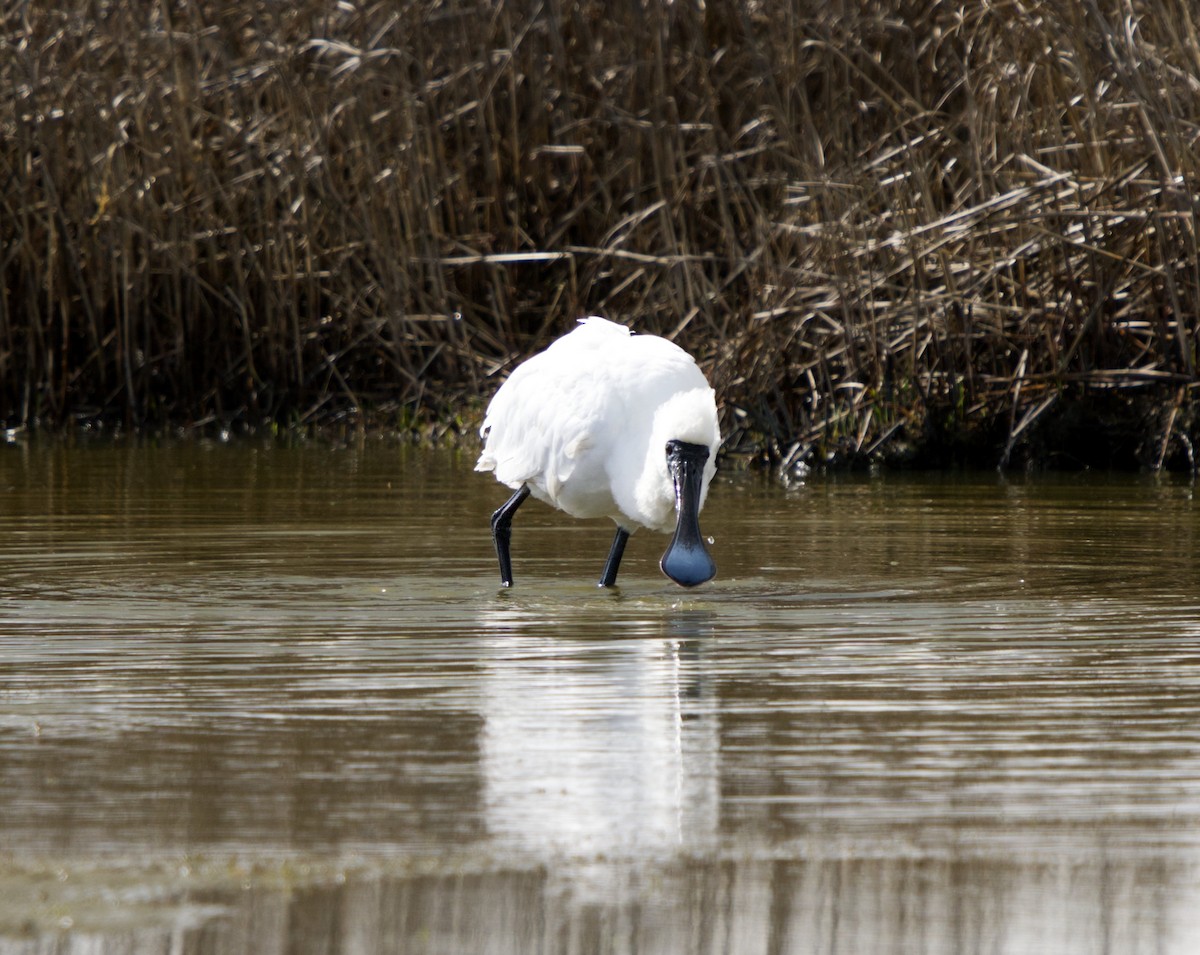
(266, 699)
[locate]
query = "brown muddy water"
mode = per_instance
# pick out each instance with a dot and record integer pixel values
(272, 700)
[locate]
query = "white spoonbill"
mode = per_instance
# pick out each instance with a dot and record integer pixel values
(606, 423)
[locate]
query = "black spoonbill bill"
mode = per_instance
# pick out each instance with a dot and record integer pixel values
(606, 423)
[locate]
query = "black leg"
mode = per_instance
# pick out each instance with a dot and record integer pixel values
(502, 532)
(615, 553)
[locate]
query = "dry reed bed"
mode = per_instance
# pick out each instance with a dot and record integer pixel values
(888, 228)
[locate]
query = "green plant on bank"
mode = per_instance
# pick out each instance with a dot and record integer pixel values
(917, 232)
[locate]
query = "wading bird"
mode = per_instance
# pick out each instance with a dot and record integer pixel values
(606, 423)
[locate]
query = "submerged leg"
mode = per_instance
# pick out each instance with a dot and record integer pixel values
(615, 553)
(502, 532)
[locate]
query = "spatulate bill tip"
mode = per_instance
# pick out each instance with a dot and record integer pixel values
(688, 566)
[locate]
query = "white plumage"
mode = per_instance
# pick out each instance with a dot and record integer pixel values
(585, 426)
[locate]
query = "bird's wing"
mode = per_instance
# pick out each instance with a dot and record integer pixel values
(539, 424)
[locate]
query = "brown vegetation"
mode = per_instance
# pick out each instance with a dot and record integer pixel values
(922, 231)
